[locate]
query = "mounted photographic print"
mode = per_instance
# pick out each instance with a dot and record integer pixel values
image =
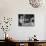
(36, 3)
(26, 20)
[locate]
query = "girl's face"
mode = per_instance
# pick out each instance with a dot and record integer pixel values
(21, 17)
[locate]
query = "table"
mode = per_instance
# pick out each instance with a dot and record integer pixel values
(28, 43)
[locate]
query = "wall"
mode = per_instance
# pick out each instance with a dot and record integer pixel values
(11, 8)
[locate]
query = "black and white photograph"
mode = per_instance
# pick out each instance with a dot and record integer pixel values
(26, 20)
